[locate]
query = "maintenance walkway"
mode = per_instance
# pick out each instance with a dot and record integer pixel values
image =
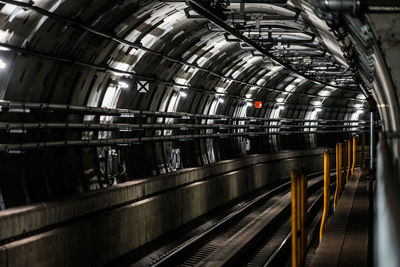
(345, 242)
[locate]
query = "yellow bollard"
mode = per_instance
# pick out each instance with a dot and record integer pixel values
(348, 160)
(354, 154)
(295, 258)
(327, 183)
(338, 176)
(303, 214)
(362, 151)
(299, 211)
(340, 167)
(344, 161)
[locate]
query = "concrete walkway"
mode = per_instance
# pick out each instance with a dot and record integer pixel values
(345, 242)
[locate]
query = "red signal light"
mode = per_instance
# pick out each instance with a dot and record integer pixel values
(258, 104)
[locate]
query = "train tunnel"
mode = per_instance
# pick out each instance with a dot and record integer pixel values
(130, 128)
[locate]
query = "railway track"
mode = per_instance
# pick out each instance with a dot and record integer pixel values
(256, 232)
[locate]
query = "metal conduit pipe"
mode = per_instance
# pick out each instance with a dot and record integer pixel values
(366, 93)
(18, 148)
(345, 6)
(372, 142)
(127, 127)
(380, 6)
(24, 107)
(357, 6)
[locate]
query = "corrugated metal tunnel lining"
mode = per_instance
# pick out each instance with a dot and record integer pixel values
(160, 57)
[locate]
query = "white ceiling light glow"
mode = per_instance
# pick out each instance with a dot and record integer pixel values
(123, 85)
(181, 81)
(3, 65)
(324, 93)
(220, 89)
(358, 105)
(361, 96)
(290, 88)
(316, 103)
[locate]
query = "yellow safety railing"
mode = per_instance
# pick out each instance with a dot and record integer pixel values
(338, 174)
(299, 195)
(299, 213)
(354, 154)
(327, 182)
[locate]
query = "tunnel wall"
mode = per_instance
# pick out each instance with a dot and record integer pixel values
(97, 239)
(64, 55)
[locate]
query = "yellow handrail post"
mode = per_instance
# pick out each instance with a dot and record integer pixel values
(362, 151)
(299, 211)
(303, 214)
(344, 161)
(338, 177)
(354, 154)
(298, 200)
(295, 259)
(327, 183)
(348, 160)
(340, 167)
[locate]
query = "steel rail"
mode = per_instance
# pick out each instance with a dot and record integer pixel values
(192, 244)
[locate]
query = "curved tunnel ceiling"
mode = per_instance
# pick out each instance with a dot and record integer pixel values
(155, 41)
